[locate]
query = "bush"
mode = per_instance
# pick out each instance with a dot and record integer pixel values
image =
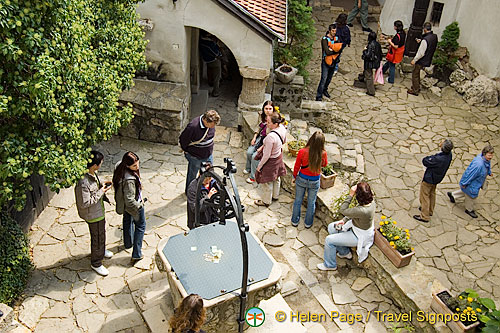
(15, 261)
(443, 59)
(301, 32)
(64, 65)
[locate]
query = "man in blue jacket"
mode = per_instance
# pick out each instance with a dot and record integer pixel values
(474, 179)
(437, 165)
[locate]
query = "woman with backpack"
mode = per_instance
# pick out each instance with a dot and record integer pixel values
(130, 203)
(372, 55)
(306, 174)
(396, 52)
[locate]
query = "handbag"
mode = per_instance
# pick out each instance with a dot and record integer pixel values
(259, 155)
(379, 75)
(390, 55)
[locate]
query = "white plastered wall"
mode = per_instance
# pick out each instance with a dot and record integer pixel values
(170, 40)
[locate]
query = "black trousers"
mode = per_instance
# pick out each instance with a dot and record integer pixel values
(97, 242)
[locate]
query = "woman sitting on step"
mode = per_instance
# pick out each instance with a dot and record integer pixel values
(355, 229)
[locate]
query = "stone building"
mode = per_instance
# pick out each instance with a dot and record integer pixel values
(248, 29)
(477, 19)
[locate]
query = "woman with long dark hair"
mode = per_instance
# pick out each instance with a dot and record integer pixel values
(354, 230)
(189, 315)
(130, 203)
(257, 141)
(306, 174)
(396, 52)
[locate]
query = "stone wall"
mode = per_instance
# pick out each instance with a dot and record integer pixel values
(288, 96)
(161, 110)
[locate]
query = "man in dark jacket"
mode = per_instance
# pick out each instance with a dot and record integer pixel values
(197, 142)
(372, 55)
(423, 58)
(437, 166)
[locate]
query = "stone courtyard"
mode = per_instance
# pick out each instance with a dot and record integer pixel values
(396, 131)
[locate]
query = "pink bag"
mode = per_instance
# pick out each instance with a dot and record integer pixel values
(379, 75)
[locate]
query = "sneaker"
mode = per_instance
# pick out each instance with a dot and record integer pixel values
(412, 92)
(319, 99)
(308, 226)
(137, 259)
(246, 172)
(322, 267)
(367, 30)
(250, 180)
(108, 254)
(452, 198)
(346, 256)
(471, 213)
(101, 270)
(326, 94)
(295, 224)
(335, 72)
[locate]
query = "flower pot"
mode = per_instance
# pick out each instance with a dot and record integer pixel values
(285, 73)
(293, 152)
(391, 253)
(327, 181)
(439, 306)
(294, 147)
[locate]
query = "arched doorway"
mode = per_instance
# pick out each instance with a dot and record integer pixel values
(204, 47)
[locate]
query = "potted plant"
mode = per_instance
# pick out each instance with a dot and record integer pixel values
(470, 313)
(285, 73)
(328, 176)
(295, 145)
(394, 242)
(338, 202)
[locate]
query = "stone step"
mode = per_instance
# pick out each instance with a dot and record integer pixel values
(270, 307)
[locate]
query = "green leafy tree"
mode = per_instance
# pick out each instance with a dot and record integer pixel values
(301, 32)
(64, 65)
(444, 58)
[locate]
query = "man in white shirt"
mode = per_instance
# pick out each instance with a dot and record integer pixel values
(423, 58)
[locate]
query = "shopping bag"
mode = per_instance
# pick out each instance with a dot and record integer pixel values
(379, 75)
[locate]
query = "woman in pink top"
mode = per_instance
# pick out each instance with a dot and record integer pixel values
(271, 166)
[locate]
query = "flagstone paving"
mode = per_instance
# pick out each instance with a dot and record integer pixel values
(396, 131)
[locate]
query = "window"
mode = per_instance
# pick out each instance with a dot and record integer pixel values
(437, 11)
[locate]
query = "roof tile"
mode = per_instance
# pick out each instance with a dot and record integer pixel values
(270, 12)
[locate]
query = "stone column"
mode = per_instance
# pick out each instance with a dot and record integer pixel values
(253, 88)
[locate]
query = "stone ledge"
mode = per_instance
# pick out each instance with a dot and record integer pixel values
(7, 317)
(156, 95)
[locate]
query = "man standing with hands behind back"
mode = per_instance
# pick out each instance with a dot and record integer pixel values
(437, 166)
(423, 58)
(361, 7)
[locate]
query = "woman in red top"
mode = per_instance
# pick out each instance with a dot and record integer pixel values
(306, 175)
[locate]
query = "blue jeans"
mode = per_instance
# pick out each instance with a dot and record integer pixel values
(337, 64)
(340, 241)
(194, 165)
(312, 187)
(326, 78)
(133, 233)
(392, 70)
(252, 164)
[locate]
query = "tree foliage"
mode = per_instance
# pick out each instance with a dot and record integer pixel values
(14, 259)
(64, 65)
(443, 59)
(301, 32)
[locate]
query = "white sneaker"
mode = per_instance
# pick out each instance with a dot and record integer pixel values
(246, 172)
(322, 267)
(108, 254)
(250, 180)
(347, 256)
(101, 270)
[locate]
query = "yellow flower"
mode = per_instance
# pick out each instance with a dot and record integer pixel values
(407, 237)
(386, 222)
(478, 310)
(469, 299)
(383, 217)
(465, 310)
(381, 223)
(407, 231)
(397, 237)
(458, 309)
(469, 308)
(384, 234)
(391, 243)
(394, 222)
(460, 297)
(413, 249)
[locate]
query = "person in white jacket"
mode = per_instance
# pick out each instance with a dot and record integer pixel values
(355, 230)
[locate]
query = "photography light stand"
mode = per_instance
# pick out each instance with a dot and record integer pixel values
(228, 205)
